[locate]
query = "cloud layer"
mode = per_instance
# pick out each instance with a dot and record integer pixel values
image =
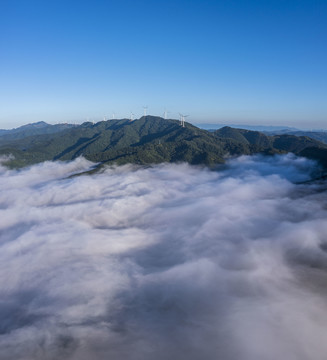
(164, 262)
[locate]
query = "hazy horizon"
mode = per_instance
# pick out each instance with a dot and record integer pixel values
(203, 124)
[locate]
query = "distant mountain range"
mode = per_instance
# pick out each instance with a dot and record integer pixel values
(148, 140)
(317, 135)
(37, 128)
(262, 128)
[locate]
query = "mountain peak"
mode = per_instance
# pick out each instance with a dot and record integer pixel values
(37, 125)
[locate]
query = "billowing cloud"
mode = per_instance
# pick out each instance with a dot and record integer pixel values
(164, 262)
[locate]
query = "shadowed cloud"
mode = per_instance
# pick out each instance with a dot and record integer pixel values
(164, 262)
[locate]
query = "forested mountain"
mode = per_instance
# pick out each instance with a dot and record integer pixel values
(317, 135)
(37, 128)
(150, 140)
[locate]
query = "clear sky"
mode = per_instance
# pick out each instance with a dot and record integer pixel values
(233, 61)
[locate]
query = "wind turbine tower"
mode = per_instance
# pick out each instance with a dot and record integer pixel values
(113, 116)
(145, 109)
(165, 114)
(182, 119)
(132, 117)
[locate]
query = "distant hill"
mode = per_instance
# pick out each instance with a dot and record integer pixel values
(262, 128)
(37, 128)
(148, 140)
(317, 135)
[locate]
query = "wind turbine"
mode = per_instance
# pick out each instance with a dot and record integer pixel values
(182, 119)
(145, 108)
(132, 117)
(113, 116)
(165, 114)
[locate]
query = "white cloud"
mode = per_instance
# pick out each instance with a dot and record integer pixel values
(164, 262)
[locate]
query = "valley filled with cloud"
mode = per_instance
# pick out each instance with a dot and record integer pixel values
(164, 262)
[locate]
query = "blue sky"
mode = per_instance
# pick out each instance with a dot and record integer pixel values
(255, 62)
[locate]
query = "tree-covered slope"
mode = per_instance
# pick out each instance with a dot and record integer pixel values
(285, 143)
(37, 128)
(145, 141)
(316, 135)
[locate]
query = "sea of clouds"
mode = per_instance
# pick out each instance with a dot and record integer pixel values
(164, 262)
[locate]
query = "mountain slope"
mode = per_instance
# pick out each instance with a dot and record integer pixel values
(316, 135)
(148, 140)
(286, 143)
(38, 128)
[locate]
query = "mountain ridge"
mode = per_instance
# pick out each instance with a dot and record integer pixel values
(150, 140)
(37, 128)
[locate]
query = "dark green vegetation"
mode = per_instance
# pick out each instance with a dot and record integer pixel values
(317, 135)
(150, 140)
(32, 129)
